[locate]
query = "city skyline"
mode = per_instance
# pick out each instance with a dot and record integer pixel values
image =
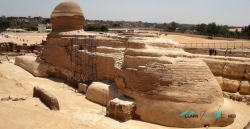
(223, 12)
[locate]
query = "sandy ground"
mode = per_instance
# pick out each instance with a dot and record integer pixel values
(208, 43)
(32, 38)
(76, 112)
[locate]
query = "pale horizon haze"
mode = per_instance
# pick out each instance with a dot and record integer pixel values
(223, 12)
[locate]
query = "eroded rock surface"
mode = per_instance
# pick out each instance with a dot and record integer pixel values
(162, 79)
(46, 97)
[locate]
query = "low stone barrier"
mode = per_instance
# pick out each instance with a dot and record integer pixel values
(47, 98)
(121, 108)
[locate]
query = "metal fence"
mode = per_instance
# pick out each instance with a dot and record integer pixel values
(219, 45)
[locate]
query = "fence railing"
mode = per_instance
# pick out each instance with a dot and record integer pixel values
(219, 45)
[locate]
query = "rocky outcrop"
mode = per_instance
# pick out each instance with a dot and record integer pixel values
(244, 87)
(229, 67)
(82, 88)
(237, 97)
(47, 98)
(232, 85)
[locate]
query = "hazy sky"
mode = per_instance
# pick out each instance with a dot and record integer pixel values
(230, 12)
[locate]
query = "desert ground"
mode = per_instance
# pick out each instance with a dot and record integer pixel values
(32, 37)
(76, 112)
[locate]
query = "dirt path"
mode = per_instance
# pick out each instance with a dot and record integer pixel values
(76, 112)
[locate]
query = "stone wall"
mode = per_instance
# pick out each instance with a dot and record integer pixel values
(12, 47)
(233, 74)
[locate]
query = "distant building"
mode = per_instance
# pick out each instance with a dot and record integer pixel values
(38, 18)
(15, 30)
(26, 20)
(41, 28)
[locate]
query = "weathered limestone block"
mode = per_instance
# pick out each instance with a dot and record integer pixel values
(247, 73)
(56, 55)
(238, 69)
(5, 99)
(220, 81)
(235, 97)
(46, 97)
(101, 92)
(230, 85)
(82, 88)
(121, 108)
(215, 66)
(226, 95)
(244, 87)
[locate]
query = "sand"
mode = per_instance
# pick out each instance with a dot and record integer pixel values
(76, 112)
(32, 37)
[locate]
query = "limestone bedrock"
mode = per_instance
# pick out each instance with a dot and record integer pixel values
(157, 73)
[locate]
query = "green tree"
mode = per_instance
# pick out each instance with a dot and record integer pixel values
(212, 29)
(4, 25)
(173, 25)
(182, 29)
(237, 32)
(201, 28)
(104, 28)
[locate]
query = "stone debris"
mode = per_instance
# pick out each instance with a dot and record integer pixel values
(233, 85)
(13, 98)
(82, 88)
(244, 87)
(237, 97)
(121, 108)
(46, 97)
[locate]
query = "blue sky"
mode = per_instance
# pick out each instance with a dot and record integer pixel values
(226, 12)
